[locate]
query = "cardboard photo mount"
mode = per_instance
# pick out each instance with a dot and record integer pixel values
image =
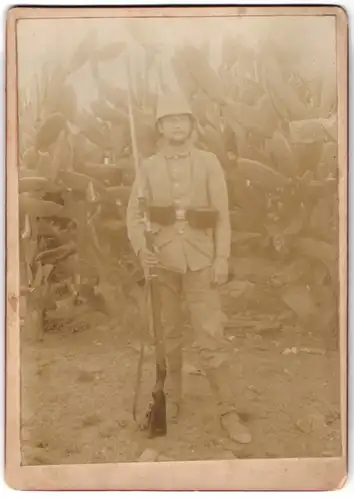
(228, 475)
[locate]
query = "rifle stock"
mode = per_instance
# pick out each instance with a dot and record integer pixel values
(156, 421)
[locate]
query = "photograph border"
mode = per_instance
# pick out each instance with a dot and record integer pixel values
(295, 474)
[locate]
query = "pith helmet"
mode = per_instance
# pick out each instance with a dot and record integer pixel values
(172, 104)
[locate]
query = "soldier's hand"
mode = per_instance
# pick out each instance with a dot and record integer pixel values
(148, 258)
(220, 272)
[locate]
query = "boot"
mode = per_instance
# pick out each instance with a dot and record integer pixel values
(230, 420)
(235, 429)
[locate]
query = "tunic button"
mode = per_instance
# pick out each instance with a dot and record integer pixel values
(181, 231)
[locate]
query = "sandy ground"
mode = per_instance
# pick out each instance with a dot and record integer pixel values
(78, 385)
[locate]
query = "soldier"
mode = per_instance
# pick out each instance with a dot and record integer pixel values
(192, 250)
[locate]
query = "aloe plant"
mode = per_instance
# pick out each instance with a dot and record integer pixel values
(279, 155)
(273, 132)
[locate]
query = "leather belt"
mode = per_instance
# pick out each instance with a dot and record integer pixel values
(197, 218)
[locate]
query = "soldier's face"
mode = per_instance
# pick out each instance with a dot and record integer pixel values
(176, 128)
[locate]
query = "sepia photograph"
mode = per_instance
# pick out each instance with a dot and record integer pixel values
(177, 239)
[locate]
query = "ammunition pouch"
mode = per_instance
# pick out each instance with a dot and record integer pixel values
(165, 216)
(202, 218)
(197, 218)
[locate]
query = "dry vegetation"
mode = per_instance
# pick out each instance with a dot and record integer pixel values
(274, 130)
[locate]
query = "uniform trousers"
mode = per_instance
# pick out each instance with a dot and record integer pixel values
(204, 306)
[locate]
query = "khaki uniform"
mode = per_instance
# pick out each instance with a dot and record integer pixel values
(193, 178)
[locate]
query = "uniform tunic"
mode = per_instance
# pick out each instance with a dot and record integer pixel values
(193, 179)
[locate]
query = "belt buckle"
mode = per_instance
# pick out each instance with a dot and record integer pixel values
(180, 214)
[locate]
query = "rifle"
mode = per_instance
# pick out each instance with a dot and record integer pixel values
(156, 421)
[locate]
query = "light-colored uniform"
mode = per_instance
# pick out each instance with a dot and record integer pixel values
(190, 178)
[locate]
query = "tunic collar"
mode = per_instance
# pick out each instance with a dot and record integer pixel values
(174, 153)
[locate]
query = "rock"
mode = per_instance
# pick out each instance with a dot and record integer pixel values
(149, 455)
(253, 389)
(304, 426)
(318, 422)
(332, 416)
(290, 350)
(191, 370)
(313, 423)
(313, 350)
